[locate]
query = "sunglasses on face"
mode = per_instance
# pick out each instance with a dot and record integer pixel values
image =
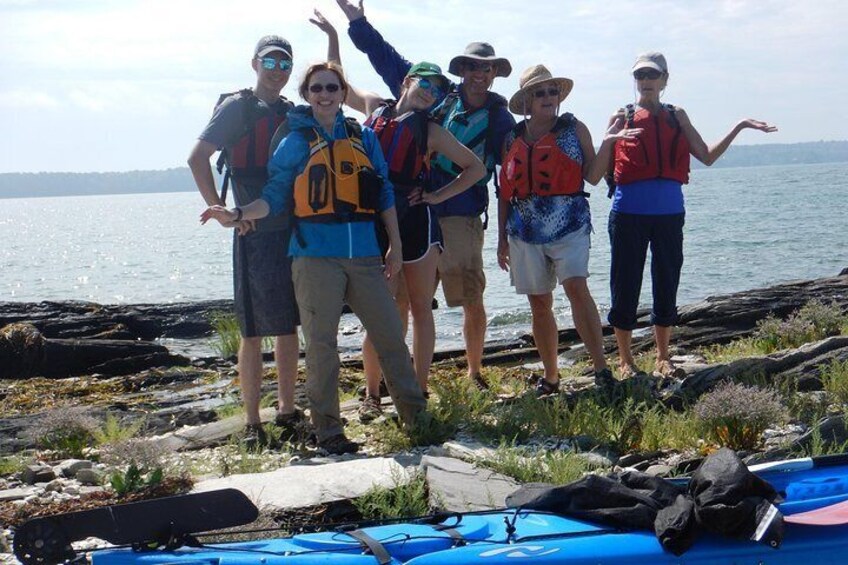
(474, 67)
(270, 63)
(650, 74)
(435, 89)
(542, 92)
(331, 88)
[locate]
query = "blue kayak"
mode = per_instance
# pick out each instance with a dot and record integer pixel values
(538, 537)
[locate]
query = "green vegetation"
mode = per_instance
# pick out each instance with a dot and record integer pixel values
(134, 480)
(68, 431)
(404, 499)
(114, 431)
(12, 464)
(834, 378)
(228, 337)
(812, 322)
(526, 465)
(736, 415)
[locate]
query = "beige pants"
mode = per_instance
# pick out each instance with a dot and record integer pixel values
(322, 285)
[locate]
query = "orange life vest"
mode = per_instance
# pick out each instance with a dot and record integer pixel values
(540, 168)
(338, 183)
(661, 151)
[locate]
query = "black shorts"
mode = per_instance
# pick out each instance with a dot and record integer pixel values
(419, 230)
(262, 281)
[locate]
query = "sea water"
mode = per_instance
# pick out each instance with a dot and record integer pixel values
(745, 228)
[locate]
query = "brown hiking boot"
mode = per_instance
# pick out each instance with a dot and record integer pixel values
(370, 409)
(253, 438)
(338, 445)
(291, 426)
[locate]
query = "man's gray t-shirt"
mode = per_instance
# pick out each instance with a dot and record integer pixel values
(224, 130)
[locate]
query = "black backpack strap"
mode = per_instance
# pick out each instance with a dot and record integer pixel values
(373, 546)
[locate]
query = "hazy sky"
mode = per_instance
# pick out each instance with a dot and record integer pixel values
(116, 85)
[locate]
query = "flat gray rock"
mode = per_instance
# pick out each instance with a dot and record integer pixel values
(459, 486)
(17, 493)
(303, 486)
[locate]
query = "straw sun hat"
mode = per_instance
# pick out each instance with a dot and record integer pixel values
(532, 78)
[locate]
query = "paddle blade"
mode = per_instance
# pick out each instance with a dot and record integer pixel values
(833, 515)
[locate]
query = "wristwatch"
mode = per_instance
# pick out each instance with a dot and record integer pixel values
(239, 214)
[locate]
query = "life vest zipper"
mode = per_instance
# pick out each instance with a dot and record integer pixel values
(530, 169)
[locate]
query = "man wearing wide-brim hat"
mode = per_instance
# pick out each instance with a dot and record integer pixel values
(479, 119)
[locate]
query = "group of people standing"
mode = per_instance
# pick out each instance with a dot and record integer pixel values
(332, 212)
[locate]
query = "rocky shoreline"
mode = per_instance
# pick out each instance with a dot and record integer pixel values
(111, 364)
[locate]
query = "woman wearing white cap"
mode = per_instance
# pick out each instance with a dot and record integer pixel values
(649, 171)
(544, 224)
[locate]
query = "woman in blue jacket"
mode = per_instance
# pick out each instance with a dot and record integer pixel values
(329, 176)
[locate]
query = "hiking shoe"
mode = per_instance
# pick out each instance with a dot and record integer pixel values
(604, 379)
(254, 437)
(338, 445)
(546, 388)
(480, 382)
(290, 425)
(667, 369)
(370, 409)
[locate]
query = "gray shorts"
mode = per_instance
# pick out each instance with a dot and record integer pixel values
(262, 280)
(536, 268)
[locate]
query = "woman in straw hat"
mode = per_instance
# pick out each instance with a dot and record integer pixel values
(408, 138)
(649, 168)
(544, 224)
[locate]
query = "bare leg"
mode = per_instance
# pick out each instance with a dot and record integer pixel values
(474, 331)
(286, 350)
(419, 284)
(545, 333)
(586, 319)
(625, 356)
(662, 337)
(250, 376)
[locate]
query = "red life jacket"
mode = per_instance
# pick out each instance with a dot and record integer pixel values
(661, 151)
(247, 158)
(542, 168)
(404, 144)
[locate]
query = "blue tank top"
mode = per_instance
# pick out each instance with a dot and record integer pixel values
(649, 197)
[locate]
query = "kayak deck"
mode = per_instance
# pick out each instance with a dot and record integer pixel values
(537, 537)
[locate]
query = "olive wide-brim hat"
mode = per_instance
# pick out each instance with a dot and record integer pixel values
(479, 51)
(531, 78)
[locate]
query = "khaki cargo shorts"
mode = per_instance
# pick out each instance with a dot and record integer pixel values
(461, 263)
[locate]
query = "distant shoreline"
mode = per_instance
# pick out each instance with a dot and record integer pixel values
(179, 179)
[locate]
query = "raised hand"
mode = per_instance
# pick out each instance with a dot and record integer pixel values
(322, 23)
(618, 131)
(757, 124)
(352, 12)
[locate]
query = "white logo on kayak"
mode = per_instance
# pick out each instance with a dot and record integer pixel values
(520, 551)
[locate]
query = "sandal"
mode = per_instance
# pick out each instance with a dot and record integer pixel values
(545, 388)
(370, 409)
(254, 438)
(290, 424)
(667, 369)
(480, 382)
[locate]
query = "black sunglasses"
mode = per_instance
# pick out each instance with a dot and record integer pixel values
(331, 88)
(474, 66)
(650, 74)
(542, 92)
